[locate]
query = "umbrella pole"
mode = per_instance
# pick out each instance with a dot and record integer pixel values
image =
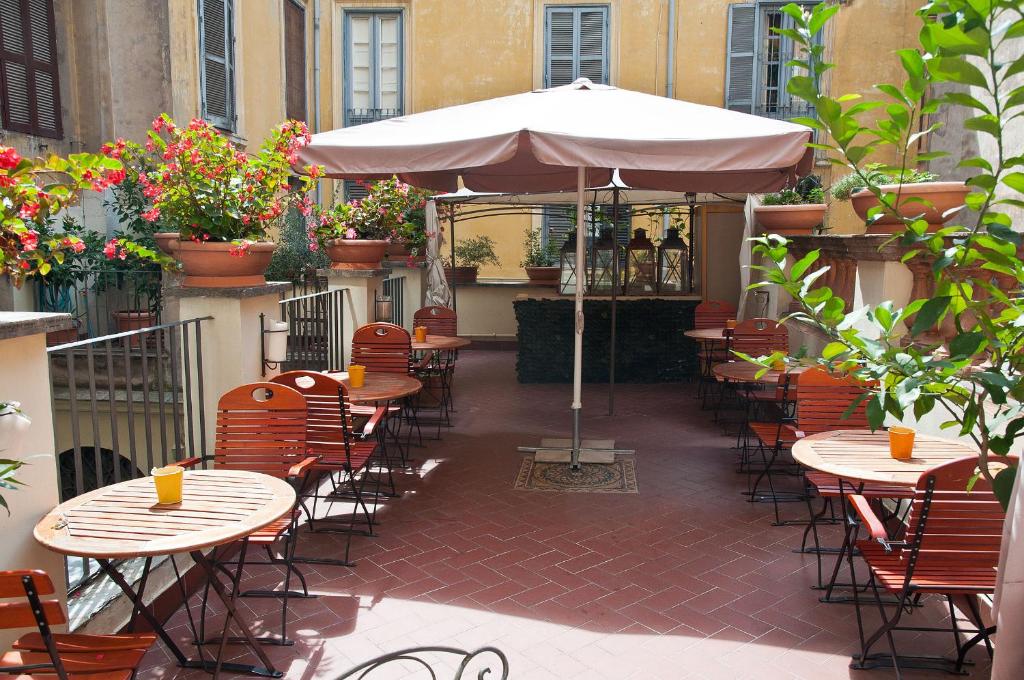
(615, 287)
(451, 224)
(577, 363)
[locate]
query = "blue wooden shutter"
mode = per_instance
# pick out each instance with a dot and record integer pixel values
(739, 70)
(575, 44)
(216, 50)
(592, 45)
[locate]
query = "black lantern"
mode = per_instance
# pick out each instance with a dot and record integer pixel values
(567, 267)
(673, 265)
(641, 265)
(603, 269)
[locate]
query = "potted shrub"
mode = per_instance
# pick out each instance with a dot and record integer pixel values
(914, 193)
(797, 210)
(540, 261)
(222, 201)
(358, 234)
(470, 254)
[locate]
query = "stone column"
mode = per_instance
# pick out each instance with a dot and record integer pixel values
(231, 339)
(26, 379)
(361, 287)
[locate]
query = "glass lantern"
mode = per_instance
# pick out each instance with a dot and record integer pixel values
(673, 265)
(641, 265)
(567, 266)
(603, 270)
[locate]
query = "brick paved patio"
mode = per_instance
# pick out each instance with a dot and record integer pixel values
(683, 580)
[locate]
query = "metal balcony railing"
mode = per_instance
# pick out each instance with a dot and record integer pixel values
(360, 116)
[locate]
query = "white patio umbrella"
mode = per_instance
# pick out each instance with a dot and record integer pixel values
(570, 138)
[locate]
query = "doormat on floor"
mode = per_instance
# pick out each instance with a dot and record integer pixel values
(617, 477)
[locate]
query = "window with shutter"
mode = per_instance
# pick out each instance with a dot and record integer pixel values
(558, 221)
(216, 51)
(373, 67)
(756, 70)
(295, 59)
(28, 68)
(575, 44)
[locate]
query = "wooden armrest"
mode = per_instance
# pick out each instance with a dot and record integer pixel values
(188, 463)
(375, 419)
(299, 469)
(874, 525)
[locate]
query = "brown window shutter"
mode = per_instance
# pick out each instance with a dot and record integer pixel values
(295, 59)
(28, 68)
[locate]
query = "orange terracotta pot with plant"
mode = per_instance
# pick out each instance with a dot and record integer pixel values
(915, 193)
(792, 211)
(222, 200)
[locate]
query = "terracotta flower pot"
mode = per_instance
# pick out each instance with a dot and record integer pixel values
(63, 337)
(543, 276)
(133, 320)
(943, 197)
(211, 265)
(790, 219)
(165, 240)
(356, 253)
(401, 252)
(461, 274)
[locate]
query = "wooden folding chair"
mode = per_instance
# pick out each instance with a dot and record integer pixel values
(261, 427)
(340, 450)
(45, 654)
(759, 337)
(387, 348)
(711, 314)
(950, 548)
(441, 371)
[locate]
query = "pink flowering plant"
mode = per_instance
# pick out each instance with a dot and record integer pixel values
(391, 211)
(207, 189)
(32, 191)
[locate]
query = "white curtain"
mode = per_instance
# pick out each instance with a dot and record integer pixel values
(438, 293)
(749, 227)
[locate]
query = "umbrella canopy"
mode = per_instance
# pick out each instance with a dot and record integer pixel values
(571, 137)
(534, 142)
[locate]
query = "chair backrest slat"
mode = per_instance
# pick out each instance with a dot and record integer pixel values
(438, 320)
(824, 401)
(261, 427)
(758, 337)
(328, 414)
(382, 348)
(713, 314)
(947, 523)
(19, 614)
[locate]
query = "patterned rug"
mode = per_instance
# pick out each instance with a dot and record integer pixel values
(618, 477)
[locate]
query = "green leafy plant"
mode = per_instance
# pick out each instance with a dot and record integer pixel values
(960, 350)
(207, 189)
(536, 253)
(874, 175)
(808, 191)
(391, 211)
(475, 251)
(296, 256)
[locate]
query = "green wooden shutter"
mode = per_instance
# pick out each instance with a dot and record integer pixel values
(216, 50)
(29, 74)
(739, 70)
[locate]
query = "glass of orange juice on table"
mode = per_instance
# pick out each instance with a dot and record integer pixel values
(730, 323)
(901, 442)
(356, 375)
(169, 481)
(421, 333)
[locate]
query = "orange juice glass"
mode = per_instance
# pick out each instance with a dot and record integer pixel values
(901, 442)
(356, 375)
(730, 323)
(421, 333)
(168, 481)
(778, 365)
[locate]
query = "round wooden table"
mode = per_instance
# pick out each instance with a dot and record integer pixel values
(706, 334)
(439, 342)
(744, 371)
(379, 387)
(125, 521)
(863, 456)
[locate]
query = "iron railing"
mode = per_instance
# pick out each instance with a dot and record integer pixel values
(315, 331)
(359, 116)
(123, 404)
(102, 301)
(393, 289)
